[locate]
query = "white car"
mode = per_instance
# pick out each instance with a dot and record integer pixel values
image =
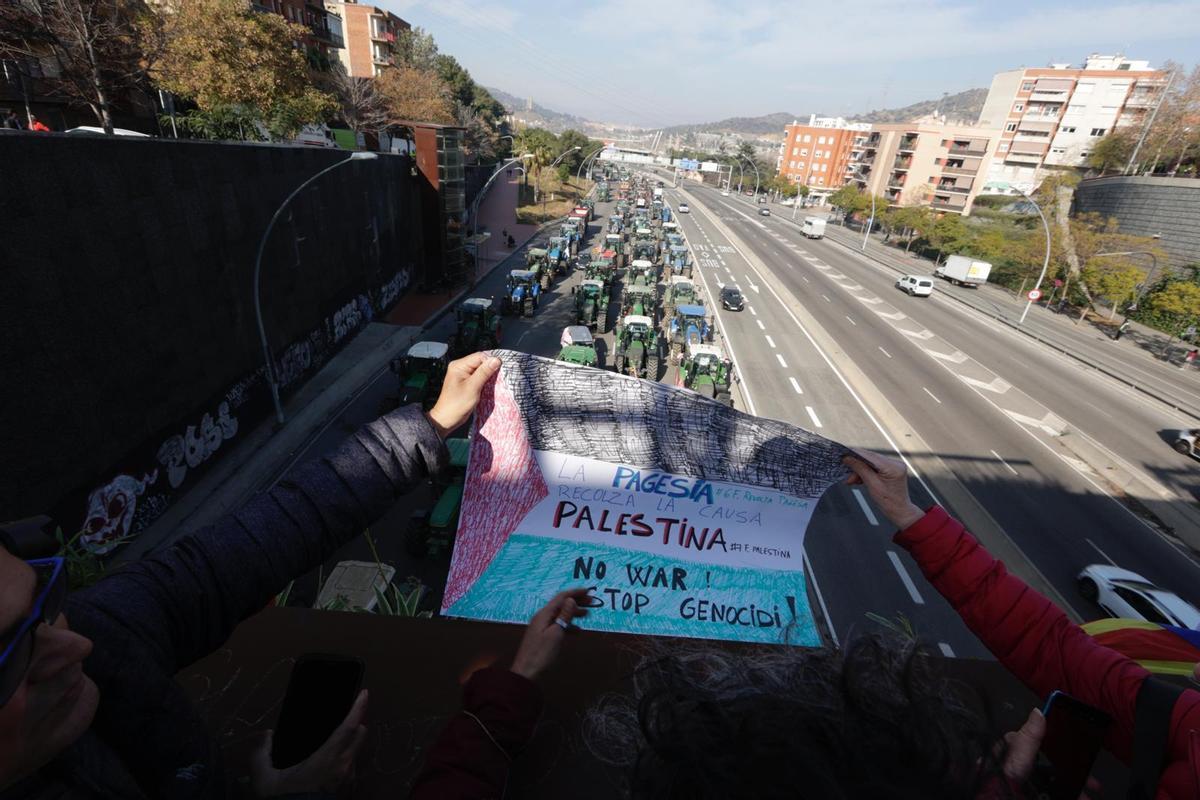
(1127, 595)
(1185, 442)
(683, 208)
(100, 131)
(915, 285)
(724, 193)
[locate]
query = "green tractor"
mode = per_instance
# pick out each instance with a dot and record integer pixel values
(641, 273)
(578, 346)
(640, 301)
(602, 269)
(431, 532)
(570, 231)
(478, 326)
(643, 248)
(680, 292)
(538, 260)
(639, 351)
(706, 371)
(421, 372)
(591, 304)
(616, 224)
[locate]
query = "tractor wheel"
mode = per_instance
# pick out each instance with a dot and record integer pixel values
(652, 367)
(619, 364)
(416, 539)
(528, 310)
(545, 282)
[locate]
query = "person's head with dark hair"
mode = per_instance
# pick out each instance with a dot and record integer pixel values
(873, 720)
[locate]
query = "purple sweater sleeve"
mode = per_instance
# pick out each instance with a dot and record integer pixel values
(186, 599)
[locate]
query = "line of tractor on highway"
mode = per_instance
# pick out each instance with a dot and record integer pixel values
(639, 262)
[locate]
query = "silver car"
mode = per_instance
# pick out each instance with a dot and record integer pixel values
(1127, 595)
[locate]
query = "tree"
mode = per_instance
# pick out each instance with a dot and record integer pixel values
(846, 198)
(89, 50)
(913, 221)
(1173, 141)
(413, 95)
(458, 80)
(361, 105)
(416, 48)
(949, 235)
(1112, 152)
(1116, 281)
(233, 62)
(572, 138)
(1179, 302)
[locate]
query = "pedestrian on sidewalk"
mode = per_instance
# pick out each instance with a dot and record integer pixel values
(1190, 357)
(1121, 330)
(511, 242)
(12, 121)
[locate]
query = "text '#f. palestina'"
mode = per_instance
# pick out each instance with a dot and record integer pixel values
(672, 530)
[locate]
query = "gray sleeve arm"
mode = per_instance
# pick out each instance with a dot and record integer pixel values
(185, 600)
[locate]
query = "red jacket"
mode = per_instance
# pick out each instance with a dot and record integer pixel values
(472, 754)
(1038, 644)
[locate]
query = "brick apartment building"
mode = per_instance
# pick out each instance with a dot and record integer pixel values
(325, 39)
(925, 163)
(816, 154)
(370, 35)
(1051, 117)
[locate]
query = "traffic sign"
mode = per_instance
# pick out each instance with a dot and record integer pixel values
(1034, 295)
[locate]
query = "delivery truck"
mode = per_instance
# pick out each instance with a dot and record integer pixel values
(813, 227)
(964, 270)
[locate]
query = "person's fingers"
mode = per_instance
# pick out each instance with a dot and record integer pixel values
(862, 472)
(483, 372)
(468, 363)
(566, 612)
(353, 721)
(1023, 746)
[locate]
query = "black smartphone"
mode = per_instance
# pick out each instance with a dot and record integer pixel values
(320, 692)
(1074, 735)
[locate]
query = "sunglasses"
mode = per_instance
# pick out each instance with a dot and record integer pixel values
(50, 594)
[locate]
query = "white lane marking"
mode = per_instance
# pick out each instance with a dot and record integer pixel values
(820, 597)
(852, 322)
(827, 300)
(931, 394)
(751, 310)
(1098, 408)
(782, 363)
(946, 649)
(885, 352)
(907, 581)
(796, 386)
(866, 509)
(1002, 461)
(957, 357)
(1101, 552)
(997, 385)
(813, 416)
(761, 327)
(806, 280)
(770, 341)
(921, 334)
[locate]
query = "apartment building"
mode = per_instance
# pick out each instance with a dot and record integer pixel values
(1051, 117)
(325, 39)
(370, 35)
(924, 163)
(816, 153)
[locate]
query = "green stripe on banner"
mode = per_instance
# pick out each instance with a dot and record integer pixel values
(637, 592)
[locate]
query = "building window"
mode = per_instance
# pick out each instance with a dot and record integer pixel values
(1018, 107)
(824, 168)
(1085, 88)
(1003, 147)
(1085, 154)
(799, 165)
(791, 164)
(795, 151)
(1058, 151)
(1067, 129)
(803, 151)
(1027, 86)
(820, 140)
(807, 138)
(1097, 131)
(1010, 127)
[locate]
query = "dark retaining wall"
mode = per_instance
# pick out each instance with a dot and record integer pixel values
(1144, 206)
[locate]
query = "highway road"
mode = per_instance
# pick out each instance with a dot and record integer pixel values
(983, 399)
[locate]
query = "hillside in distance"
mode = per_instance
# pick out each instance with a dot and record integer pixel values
(959, 107)
(538, 115)
(747, 126)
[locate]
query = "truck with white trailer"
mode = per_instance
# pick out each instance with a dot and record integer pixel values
(964, 270)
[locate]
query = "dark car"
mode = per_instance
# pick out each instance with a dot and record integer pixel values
(764, 212)
(732, 299)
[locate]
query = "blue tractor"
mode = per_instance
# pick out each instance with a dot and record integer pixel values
(680, 261)
(522, 293)
(559, 252)
(689, 324)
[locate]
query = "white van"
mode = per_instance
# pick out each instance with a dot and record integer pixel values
(813, 227)
(916, 285)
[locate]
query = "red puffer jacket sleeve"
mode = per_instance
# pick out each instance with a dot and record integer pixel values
(1040, 645)
(472, 754)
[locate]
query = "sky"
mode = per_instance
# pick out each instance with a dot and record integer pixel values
(656, 63)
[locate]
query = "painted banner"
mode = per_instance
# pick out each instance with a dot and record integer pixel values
(683, 517)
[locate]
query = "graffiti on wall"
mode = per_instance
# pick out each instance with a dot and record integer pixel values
(125, 505)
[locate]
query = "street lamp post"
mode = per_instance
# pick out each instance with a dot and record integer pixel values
(1045, 262)
(483, 189)
(554, 163)
(757, 177)
(870, 223)
(589, 157)
(268, 359)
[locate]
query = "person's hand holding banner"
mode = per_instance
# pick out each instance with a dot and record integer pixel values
(886, 480)
(544, 636)
(464, 381)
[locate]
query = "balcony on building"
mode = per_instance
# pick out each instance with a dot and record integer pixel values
(1019, 156)
(948, 202)
(966, 147)
(1141, 99)
(1052, 90)
(896, 182)
(892, 195)
(902, 162)
(322, 32)
(908, 143)
(954, 188)
(379, 31)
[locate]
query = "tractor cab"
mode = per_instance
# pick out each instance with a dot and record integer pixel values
(537, 260)
(639, 300)
(558, 250)
(572, 233)
(706, 371)
(591, 304)
(689, 324)
(638, 347)
(421, 371)
(478, 325)
(578, 346)
(681, 291)
(522, 293)
(642, 273)
(616, 223)
(681, 262)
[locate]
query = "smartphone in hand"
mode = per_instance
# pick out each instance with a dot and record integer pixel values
(1074, 735)
(320, 692)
